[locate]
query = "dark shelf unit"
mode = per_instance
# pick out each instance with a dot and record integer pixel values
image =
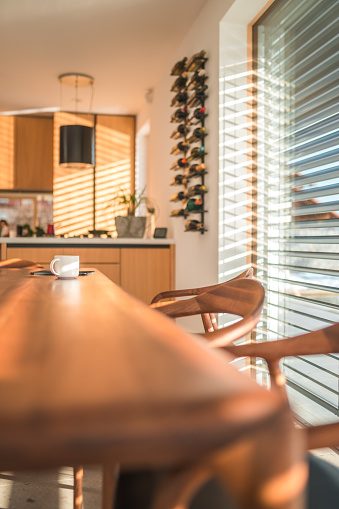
(189, 98)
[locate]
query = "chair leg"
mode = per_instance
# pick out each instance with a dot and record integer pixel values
(78, 473)
(206, 320)
(110, 480)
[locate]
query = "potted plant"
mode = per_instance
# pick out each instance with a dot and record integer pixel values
(132, 225)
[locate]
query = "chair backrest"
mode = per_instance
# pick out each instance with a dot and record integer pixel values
(188, 292)
(241, 297)
(208, 319)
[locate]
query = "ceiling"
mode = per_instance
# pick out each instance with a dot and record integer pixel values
(124, 44)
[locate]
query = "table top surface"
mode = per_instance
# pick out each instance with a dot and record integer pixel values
(87, 372)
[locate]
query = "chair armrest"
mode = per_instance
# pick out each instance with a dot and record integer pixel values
(319, 342)
(326, 435)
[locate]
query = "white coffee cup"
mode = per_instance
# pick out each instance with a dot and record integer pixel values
(65, 266)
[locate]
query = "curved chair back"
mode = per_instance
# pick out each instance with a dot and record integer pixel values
(189, 292)
(208, 319)
(241, 297)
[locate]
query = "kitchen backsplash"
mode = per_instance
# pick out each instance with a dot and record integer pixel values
(36, 210)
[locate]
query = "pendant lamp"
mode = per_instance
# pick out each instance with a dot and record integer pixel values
(76, 141)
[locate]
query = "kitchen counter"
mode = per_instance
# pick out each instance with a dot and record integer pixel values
(143, 267)
(39, 241)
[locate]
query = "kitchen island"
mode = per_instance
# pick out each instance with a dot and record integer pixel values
(143, 267)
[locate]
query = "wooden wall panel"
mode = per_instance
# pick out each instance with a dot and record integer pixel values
(73, 189)
(115, 165)
(114, 169)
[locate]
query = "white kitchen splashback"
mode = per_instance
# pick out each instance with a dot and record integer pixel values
(26, 208)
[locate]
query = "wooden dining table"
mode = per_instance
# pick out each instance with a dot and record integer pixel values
(89, 374)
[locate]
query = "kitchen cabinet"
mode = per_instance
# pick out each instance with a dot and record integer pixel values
(143, 271)
(146, 272)
(33, 153)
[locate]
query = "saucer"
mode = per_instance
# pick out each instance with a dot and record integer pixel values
(72, 277)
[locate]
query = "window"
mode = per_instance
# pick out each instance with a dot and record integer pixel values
(285, 146)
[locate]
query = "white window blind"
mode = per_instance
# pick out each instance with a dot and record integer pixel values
(292, 174)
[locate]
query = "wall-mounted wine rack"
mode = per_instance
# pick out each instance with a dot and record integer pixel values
(190, 90)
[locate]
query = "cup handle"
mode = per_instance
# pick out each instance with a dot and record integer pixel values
(51, 266)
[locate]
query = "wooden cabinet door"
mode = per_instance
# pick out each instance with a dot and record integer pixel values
(110, 270)
(147, 271)
(33, 153)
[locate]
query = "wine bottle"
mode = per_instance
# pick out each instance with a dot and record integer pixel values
(193, 225)
(196, 61)
(198, 134)
(182, 146)
(194, 205)
(180, 131)
(179, 67)
(178, 180)
(202, 88)
(179, 115)
(179, 98)
(178, 212)
(180, 82)
(195, 170)
(197, 98)
(197, 80)
(197, 116)
(178, 196)
(197, 189)
(180, 163)
(196, 153)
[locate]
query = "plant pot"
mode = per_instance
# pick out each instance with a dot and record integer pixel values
(130, 226)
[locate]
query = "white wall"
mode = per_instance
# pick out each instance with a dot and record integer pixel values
(196, 254)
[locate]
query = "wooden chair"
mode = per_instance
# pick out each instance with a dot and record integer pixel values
(248, 303)
(208, 319)
(241, 297)
(179, 488)
(324, 341)
(17, 263)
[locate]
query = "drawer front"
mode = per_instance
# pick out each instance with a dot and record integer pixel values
(94, 255)
(34, 254)
(46, 254)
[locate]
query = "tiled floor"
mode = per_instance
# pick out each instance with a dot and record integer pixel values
(48, 490)
(54, 489)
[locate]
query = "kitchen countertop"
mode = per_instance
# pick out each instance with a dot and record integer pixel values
(36, 241)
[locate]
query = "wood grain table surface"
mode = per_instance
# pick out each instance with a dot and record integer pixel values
(88, 373)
